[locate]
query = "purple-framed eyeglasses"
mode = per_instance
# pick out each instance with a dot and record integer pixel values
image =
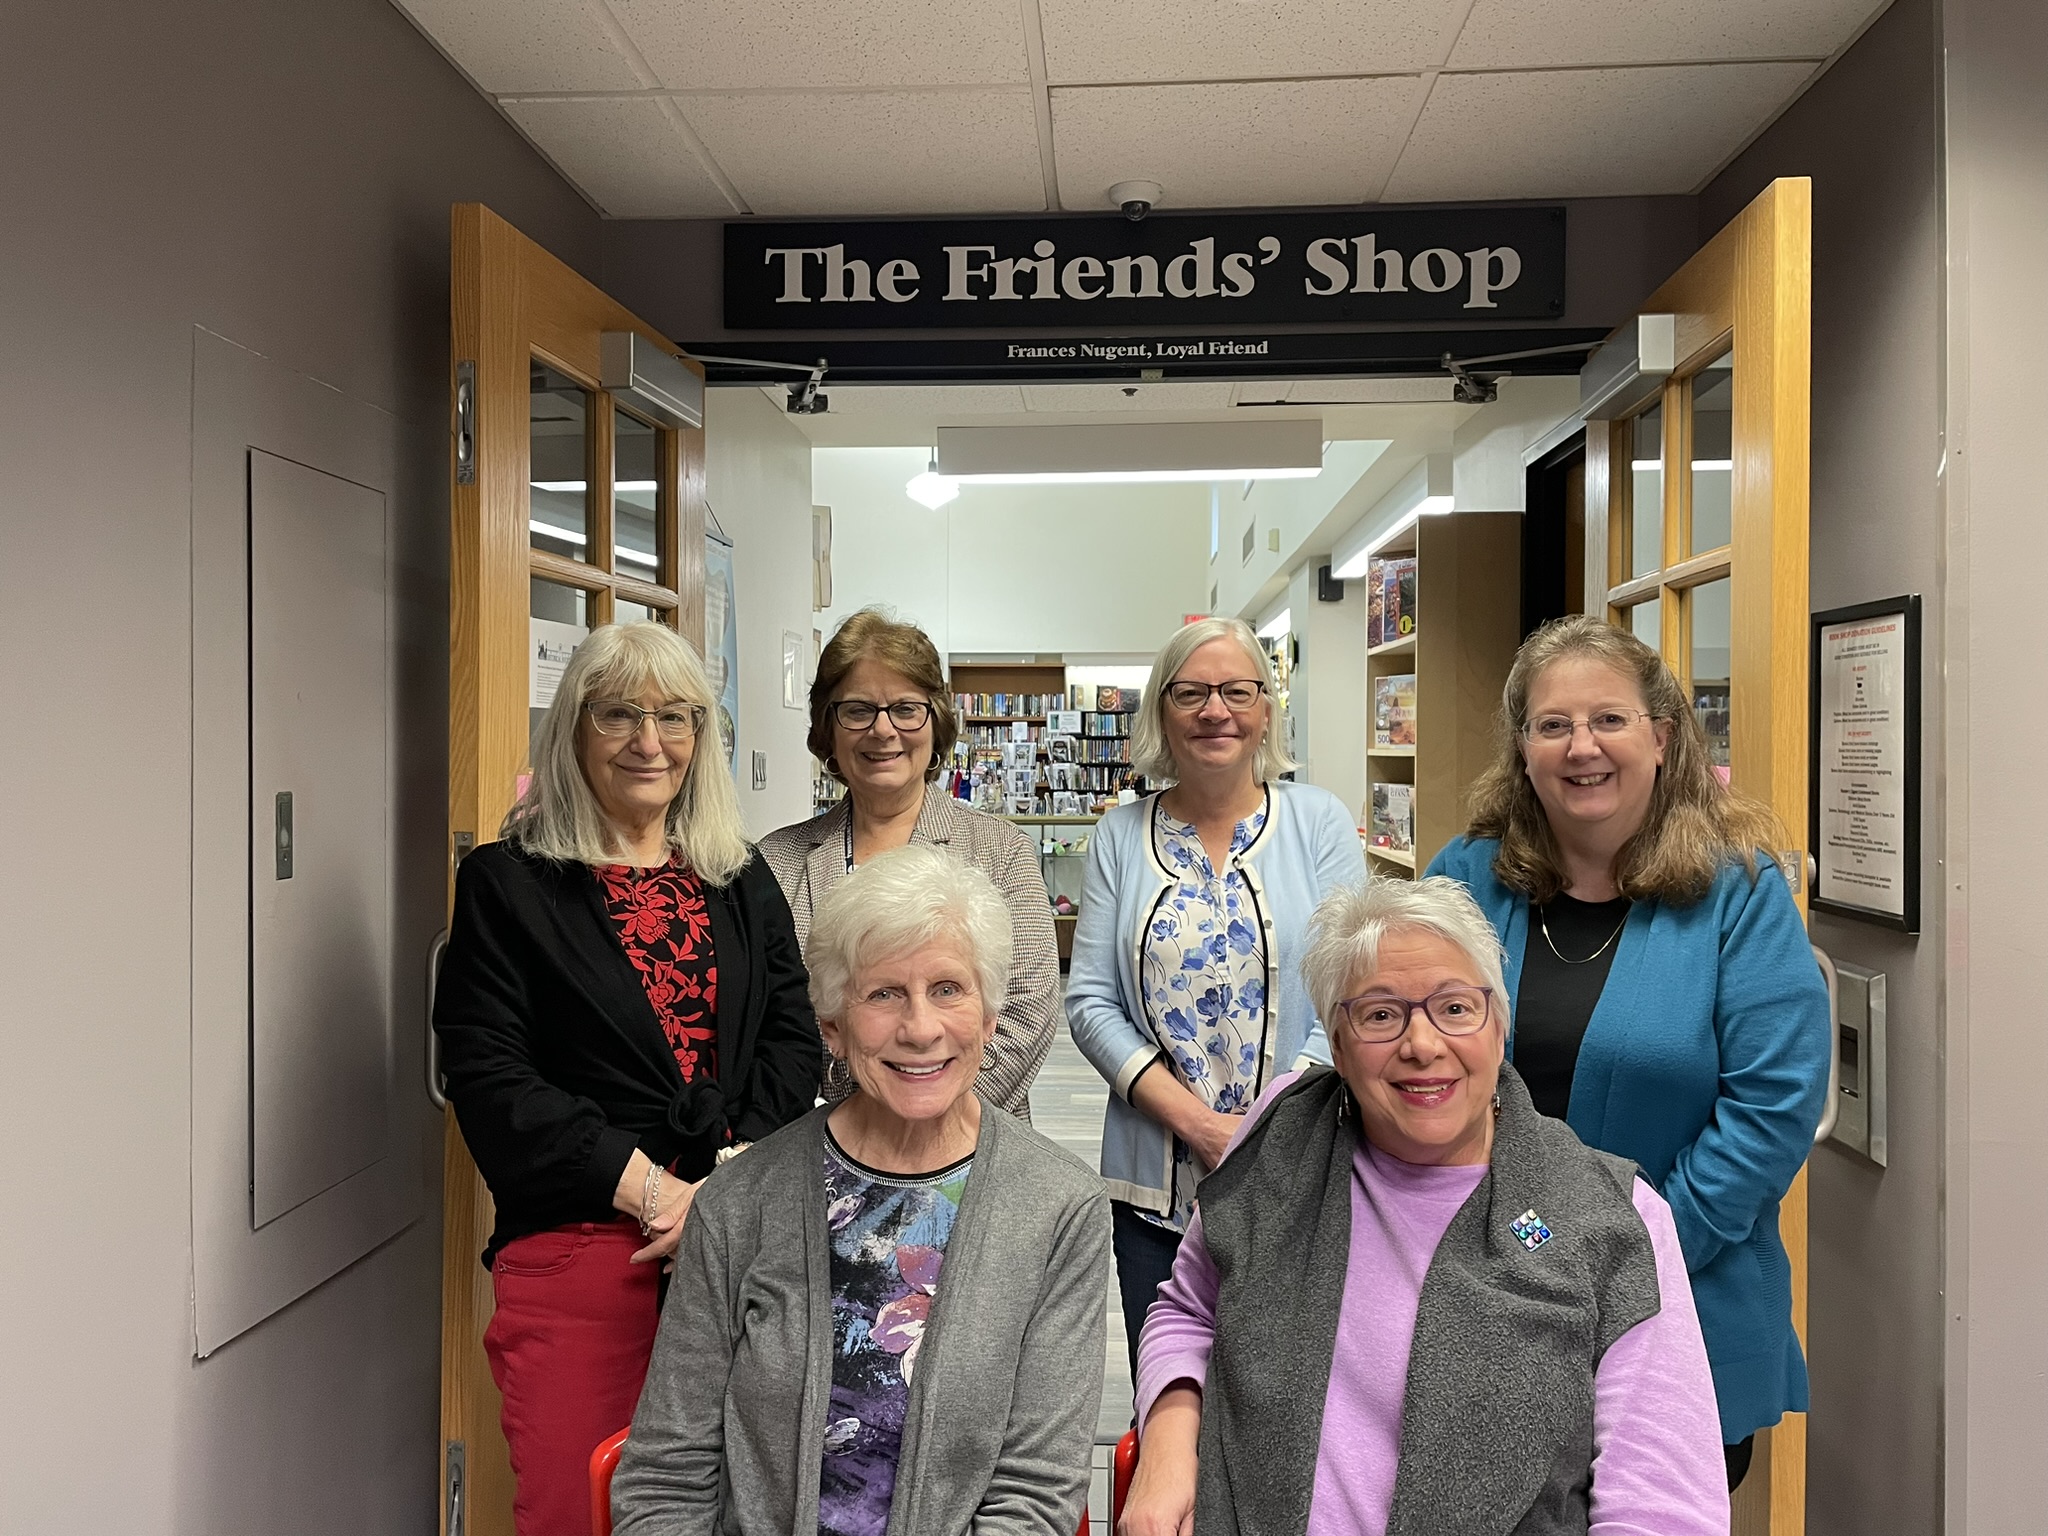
(1376, 1018)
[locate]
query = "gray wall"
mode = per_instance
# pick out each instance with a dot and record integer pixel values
(280, 174)
(1869, 135)
(1996, 95)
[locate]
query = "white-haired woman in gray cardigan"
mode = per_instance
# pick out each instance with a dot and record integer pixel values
(887, 1319)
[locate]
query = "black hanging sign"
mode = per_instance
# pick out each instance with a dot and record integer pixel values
(1103, 274)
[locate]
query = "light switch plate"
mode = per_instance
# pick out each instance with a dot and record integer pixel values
(760, 770)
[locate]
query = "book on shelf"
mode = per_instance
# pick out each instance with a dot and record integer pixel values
(1115, 701)
(1391, 823)
(1390, 599)
(1393, 710)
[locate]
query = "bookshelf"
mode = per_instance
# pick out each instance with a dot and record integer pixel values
(993, 699)
(1467, 595)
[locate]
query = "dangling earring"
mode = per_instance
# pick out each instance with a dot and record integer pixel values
(1343, 1103)
(1496, 1101)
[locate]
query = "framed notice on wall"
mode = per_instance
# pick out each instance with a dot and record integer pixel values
(1864, 798)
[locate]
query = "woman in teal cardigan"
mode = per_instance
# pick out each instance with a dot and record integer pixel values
(1667, 1003)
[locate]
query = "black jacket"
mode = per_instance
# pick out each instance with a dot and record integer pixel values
(556, 1064)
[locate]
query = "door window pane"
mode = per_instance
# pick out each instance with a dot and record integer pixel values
(636, 521)
(1713, 453)
(1643, 622)
(1711, 615)
(558, 421)
(558, 619)
(1646, 493)
(624, 612)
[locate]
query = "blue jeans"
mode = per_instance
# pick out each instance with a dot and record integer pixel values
(1144, 1261)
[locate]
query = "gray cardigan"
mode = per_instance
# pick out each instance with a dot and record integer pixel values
(809, 858)
(729, 1436)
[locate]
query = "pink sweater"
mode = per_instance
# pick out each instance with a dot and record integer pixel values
(1657, 1463)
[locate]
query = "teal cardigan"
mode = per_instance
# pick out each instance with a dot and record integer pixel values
(1706, 1063)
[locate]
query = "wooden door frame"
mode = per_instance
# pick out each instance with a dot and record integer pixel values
(510, 302)
(1751, 283)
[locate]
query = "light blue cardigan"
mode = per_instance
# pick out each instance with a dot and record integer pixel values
(1706, 1062)
(1308, 847)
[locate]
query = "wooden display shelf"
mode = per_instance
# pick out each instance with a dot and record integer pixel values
(1468, 577)
(1001, 719)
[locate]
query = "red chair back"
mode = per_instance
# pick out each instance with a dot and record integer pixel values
(1125, 1464)
(603, 1462)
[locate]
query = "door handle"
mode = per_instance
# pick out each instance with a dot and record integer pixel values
(1833, 1107)
(436, 1087)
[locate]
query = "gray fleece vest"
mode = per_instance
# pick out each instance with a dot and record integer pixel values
(1497, 1421)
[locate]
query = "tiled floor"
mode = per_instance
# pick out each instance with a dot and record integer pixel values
(1067, 1102)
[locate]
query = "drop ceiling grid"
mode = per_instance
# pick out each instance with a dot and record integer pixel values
(625, 154)
(742, 44)
(855, 107)
(1251, 145)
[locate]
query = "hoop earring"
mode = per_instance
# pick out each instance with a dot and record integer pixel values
(832, 765)
(988, 1056)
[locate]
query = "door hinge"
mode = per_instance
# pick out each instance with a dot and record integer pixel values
(465, 422)
(455, 1499)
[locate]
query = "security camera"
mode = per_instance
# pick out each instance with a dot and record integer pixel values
(1135, 198)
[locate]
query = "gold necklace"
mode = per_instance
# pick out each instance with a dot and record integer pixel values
(1543, 919)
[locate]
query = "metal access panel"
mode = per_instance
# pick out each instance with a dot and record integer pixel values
(320, 873)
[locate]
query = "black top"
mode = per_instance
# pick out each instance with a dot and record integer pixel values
(1556, 999)
(556, 1064)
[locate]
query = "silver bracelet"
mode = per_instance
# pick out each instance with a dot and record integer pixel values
(650, 1200)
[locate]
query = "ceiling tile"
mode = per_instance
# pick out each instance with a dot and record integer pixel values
(1532, 34)
(750, 44)
(1127, 397)
(526, 45)
(1231, 146)
(626, 156)
(876, 152)
(1586, 133)
(1134, 41)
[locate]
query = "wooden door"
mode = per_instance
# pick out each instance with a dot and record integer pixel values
(1696, 539)
(567, 508)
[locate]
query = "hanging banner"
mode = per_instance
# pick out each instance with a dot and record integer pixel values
(1095, 274)
(722, 641)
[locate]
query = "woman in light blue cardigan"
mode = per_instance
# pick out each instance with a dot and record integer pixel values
(1667, 1002)
(1185, 991)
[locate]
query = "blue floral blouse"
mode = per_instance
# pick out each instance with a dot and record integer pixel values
(1203, 976)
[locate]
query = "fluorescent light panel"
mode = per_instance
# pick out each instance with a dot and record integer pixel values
(1282, 623)
(571, 536)
(1132, 453)
(1700, 466)
(577, 487)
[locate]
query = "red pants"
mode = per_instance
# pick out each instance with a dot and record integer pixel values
(568, 1347)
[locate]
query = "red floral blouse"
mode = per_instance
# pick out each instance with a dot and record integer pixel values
(667, 933)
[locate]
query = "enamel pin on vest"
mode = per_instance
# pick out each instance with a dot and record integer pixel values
(1530, 1229)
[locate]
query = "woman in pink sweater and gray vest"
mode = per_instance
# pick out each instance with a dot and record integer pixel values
(1410, 1304)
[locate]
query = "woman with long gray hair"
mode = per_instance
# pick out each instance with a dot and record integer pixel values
(623, 1006)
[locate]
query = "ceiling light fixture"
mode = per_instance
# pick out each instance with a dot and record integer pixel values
(577, 487)
(931, 488)
(1700, 466)
(1132, 453)
(1424, 491)
(1282, 623)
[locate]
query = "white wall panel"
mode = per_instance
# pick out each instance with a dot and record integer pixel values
(1232, 146)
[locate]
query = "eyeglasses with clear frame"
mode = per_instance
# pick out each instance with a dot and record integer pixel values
(861, 714)
(1379, 1018)
(1554, 730)
(619, 717)
(1239, 694)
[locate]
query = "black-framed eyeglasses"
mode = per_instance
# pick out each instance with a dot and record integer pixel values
(1556, 729)
(672, 722)
(1376, 1018)
(1239, 694)
(861, 714)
